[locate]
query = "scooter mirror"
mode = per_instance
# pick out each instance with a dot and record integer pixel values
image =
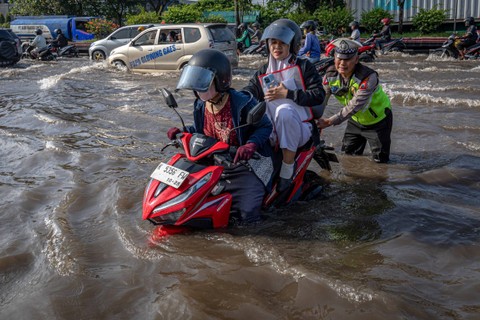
(255, 115)
(169, 99)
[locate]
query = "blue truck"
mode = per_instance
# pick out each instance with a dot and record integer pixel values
(74, 28)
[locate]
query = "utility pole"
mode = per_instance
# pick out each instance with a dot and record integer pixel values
(401, 4)
(455, 17)
(237, 16)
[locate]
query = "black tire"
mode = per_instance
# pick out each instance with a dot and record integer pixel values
(441, 53)
(98, 55)
(120, 65)
(399, 47)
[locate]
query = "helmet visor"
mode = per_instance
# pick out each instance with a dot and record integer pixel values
(282, 33)
(195, 78)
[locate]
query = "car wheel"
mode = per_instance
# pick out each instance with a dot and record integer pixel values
(119, 64)
(98, 55)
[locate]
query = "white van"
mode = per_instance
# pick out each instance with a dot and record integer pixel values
(170, 47)
(100, 50)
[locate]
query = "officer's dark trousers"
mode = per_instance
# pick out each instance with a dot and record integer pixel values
(377, 135)
(247, 193)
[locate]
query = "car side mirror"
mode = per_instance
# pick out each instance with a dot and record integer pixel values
(169, 98)
(255, 115)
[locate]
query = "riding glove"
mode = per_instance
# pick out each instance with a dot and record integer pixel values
(172, 133)
(245, 152)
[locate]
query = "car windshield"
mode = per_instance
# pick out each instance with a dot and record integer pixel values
(221, 34)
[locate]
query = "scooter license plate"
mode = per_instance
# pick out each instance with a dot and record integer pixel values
(169, 175)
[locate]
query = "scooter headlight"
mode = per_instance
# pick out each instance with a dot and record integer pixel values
(170, 218)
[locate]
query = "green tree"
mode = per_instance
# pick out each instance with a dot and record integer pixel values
(335, 21)
(159, 6)
(55, 7)
(143, 17)
(427, 21)
(371, 20)
(117, 9)
(182, 14)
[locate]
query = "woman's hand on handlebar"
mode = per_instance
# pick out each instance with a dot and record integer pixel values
(245, 152)
(172, 133)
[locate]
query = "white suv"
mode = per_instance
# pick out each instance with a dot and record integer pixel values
(169, 47)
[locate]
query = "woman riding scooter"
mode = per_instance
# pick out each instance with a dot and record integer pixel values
(217, 110)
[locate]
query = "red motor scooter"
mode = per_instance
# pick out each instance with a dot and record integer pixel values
(366, 52)
(187, 192)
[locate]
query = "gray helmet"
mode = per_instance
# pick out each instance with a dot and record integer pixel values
(206, 66)
(354, 24)
(243, 26)
(469, 21)
(38, 32)
(286, 31)
(309, 25)
(256, 24)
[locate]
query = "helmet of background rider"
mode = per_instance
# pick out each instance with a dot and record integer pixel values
(385, 21)
(469, 21)
(308, 25)
(243, 26)
(58, 31)
(205, 67)
(141, 28)
(354, 24)
(256, 25)
(286, 31)
(38, 32)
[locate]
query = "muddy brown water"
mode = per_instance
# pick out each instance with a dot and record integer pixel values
(397, 241)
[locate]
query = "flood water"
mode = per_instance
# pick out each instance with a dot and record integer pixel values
(397, 241)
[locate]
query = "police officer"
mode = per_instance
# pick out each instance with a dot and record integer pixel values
(366, 106)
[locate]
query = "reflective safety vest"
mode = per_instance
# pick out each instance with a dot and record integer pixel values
(374, 110)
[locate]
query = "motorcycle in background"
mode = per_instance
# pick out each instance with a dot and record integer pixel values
(68, 51)
(449, 50)
(394, 45)
(366, 52)
(257, 48)
(44, 54)
(187, 193)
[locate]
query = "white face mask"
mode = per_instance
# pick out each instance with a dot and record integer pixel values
(209, 94)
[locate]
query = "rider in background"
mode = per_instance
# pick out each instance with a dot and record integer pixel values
(245, 40)
(385, 33)
(38, 43)
(218, 108)
(469, 39)
(355, 36)
(311, 48)
(296, 88)
(60, 41)
(366, 106)
(257, 32)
